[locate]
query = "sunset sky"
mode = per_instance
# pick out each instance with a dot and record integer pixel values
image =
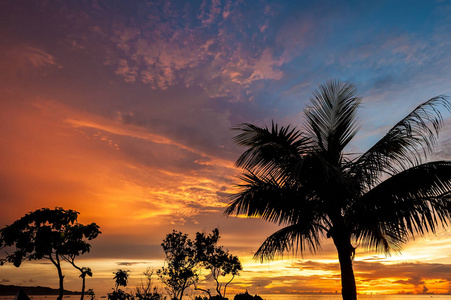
(122, 110)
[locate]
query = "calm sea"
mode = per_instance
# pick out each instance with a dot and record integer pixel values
(361, 297)
(287, 297)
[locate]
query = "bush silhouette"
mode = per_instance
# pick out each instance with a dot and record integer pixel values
(246, 296)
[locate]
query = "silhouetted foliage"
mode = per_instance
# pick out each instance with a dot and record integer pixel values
(305, 182)
(180, 270)
(246, 296)
(85, 271)
(91, 294)
(121, 279)
(52, 234)
(217, 260)
(119, 295)
(185, 258)
(218, 297)
(145, 290)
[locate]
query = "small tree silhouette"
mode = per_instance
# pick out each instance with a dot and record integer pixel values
(185, 258)
(145, 290)
(121, 279)
(180, 270)
(85, 271)
(217, 260)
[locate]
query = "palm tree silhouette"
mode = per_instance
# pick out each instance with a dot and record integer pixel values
(84, 271)
(121, 278)
(305, 182)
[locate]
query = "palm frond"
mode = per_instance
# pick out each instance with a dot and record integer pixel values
(278, 202)
(273, 150)
(305, 182)
(381, 237)
(331, 119)
(414, 201)
(298, 237)
(404, 145)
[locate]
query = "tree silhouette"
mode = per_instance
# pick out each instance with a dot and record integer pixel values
(121, 279)
(51, 234)
(305, 182)
(217, 260)
(146, 290)
(180, 270)
(85, 271)
(185, 258)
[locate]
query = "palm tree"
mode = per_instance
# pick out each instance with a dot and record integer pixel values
(83, 270)
(121, 278)
(305, 182)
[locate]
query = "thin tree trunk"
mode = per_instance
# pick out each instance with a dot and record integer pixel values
(84, 272)
(60, 275)
(83, 288)
(182, 290)
(218, 285)
(225, 286)
(345, 256)
(57, 264)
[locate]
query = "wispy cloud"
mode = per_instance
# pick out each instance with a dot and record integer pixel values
(23, 60)
(166, 52)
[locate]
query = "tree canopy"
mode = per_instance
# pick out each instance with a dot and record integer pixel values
(185, 258)
(180, 270)
(216, 259)
(52, 234)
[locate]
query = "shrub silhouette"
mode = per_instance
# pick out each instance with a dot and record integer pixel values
(246, 296)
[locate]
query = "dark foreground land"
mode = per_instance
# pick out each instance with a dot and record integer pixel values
(9, 290)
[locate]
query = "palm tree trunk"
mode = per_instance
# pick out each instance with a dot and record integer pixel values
(345, 256)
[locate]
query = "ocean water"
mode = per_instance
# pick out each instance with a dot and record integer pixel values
(284, 297)
(360, 297)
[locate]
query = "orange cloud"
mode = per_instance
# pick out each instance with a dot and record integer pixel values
(58, 156)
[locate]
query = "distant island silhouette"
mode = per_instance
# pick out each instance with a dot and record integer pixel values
(11, 290)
